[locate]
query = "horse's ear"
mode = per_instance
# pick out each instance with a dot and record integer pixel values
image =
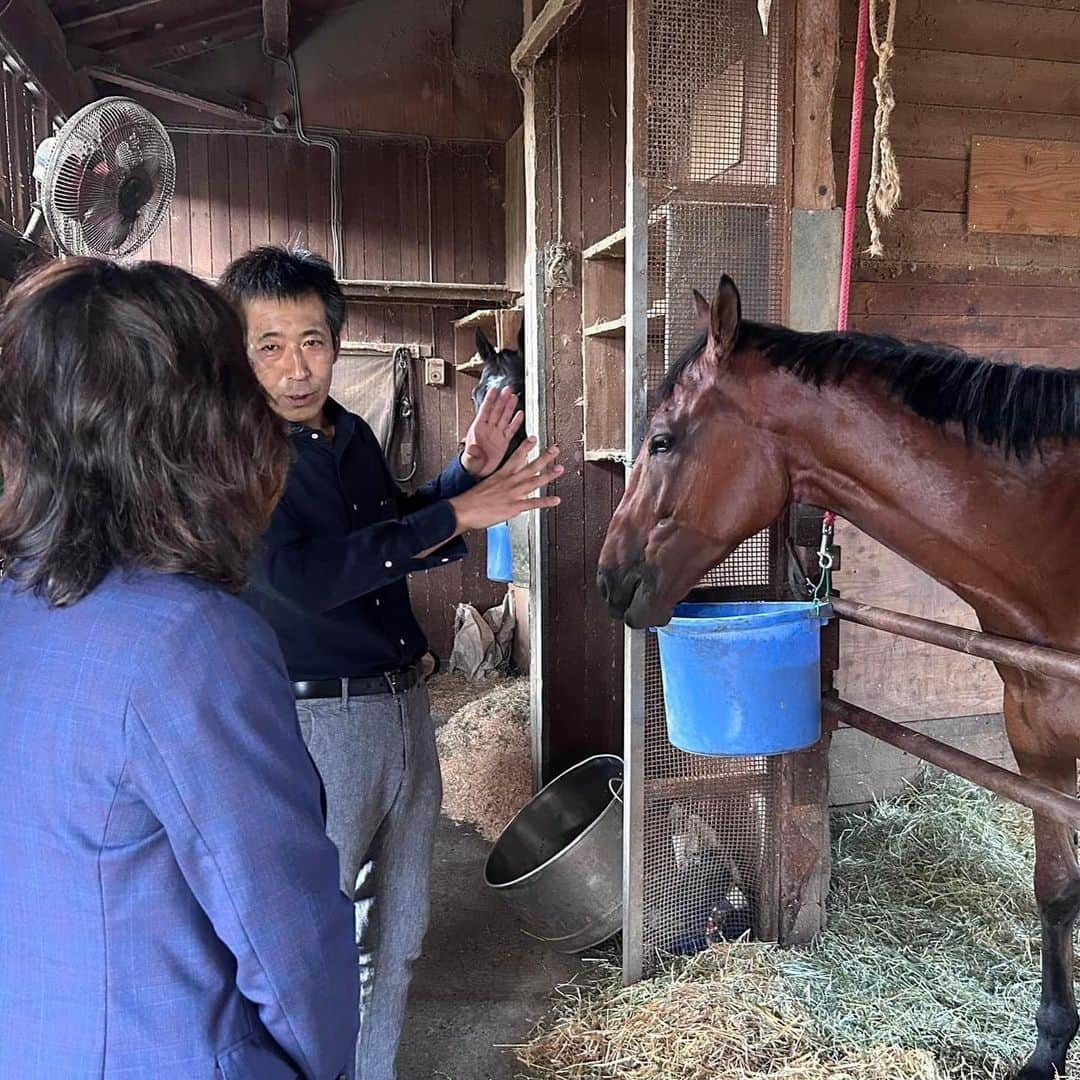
(701, 306)
(483, 346)
(725, 315)
(521, 338)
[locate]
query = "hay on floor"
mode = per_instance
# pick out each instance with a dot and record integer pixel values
(722, 1015)
(485, 752)
(929, 969)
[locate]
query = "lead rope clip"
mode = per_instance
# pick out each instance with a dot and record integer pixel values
(821, 590)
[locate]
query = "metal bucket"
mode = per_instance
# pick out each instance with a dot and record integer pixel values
(559, 862)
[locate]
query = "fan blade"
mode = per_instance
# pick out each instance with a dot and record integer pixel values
(107, 226)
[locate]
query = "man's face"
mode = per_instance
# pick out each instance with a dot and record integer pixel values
(292, 351)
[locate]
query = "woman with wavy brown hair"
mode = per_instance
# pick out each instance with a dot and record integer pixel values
(169, 901)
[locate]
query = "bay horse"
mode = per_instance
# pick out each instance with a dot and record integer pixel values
(968, 468)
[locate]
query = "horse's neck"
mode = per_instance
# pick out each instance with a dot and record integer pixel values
(962, 514)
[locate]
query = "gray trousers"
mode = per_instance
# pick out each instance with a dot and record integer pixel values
(383, 786)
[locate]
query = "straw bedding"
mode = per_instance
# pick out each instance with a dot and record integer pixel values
(929, 969)
(484, 750)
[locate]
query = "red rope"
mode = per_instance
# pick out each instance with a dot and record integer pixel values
(850, 208)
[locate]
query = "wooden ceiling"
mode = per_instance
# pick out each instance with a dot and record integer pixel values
(153, 33)
(431, 67)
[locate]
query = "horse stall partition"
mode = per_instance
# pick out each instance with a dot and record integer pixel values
(1024, 655)
(708, 188)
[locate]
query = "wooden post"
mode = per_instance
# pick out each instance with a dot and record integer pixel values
(817, 60)
(540, 33)
(804, 850)
(275, 15)
(636, 417)
(538, 87)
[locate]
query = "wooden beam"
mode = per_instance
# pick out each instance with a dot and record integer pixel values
(160, 84)
(540, 34)
(88, 18)
(243, 30)
(275, 14)
(427, 292)
(185, 39)
(30, 33)
(817, 60)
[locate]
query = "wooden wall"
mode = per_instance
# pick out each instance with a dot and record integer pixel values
(580, 166)
(962, 69)
(234, 192)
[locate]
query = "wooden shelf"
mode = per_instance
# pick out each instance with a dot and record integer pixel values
(611, 247)
(485, 316)
(613, 328)
(427, 292)
(415, 349)
(470, 367)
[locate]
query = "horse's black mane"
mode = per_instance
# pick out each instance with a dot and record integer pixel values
(1005, 405)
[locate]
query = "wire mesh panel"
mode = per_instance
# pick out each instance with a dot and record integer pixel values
(707, 837)
(717, 128)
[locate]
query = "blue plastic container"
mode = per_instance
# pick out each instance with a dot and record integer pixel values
(500, 559)
(743, 679)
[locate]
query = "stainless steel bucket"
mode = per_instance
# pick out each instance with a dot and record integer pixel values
(559, 862)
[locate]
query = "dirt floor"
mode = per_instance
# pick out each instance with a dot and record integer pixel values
(480, 983)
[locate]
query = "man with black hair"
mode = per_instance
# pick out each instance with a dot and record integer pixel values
(331, 579)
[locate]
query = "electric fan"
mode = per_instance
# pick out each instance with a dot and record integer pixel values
(105, 180)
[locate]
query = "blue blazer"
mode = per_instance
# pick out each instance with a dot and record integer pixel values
(169, 900)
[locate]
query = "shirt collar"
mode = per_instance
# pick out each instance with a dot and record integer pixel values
(344, 423)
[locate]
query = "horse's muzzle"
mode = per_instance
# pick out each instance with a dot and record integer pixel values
(626, 591)
(617, 586)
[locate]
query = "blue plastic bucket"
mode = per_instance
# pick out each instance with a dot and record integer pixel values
(743, 679)
(500, 559)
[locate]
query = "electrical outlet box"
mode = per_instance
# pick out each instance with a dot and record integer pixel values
(434, 371)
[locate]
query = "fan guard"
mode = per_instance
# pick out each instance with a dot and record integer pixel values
(109, 180)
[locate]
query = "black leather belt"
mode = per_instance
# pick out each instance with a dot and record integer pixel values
(391, 682)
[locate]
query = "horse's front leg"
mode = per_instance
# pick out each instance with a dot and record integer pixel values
(1057, 890)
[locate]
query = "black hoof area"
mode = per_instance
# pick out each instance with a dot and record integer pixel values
(1039, 1070)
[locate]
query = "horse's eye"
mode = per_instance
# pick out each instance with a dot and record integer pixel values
(661, 444)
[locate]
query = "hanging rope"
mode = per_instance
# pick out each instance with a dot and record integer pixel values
(763, 8)
(883, 191)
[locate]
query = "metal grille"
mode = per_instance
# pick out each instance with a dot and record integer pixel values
(717, 123)
(714, 82)
(749, 565)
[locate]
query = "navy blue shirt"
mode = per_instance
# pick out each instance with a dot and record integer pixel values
(330, 571)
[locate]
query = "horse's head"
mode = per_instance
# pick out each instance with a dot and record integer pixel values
(709, 475)
(502, 367)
